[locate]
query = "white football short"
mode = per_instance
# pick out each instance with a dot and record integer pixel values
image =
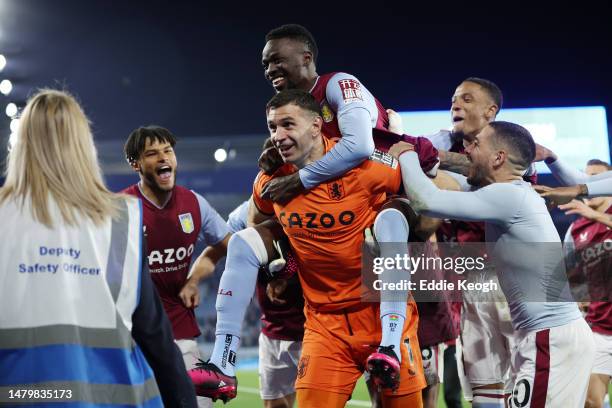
(551, 367)
(278, 362)
(603, 354)
(486, 343)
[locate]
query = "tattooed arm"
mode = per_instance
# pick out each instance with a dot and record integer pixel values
(455, 162)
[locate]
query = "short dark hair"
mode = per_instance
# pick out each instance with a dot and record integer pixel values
(297, 97)
(490, 88)
(135, 144)
(516, 138)
(597, 162)
(295, 32)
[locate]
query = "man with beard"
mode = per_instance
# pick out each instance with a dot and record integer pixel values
(552, 337)
(589, 256)
(475, 103)
(174, 219)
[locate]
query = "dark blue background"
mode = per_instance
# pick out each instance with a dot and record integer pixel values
(196, 69)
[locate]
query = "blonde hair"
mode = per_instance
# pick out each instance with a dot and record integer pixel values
(54, 158)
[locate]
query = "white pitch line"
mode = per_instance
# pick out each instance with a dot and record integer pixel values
(356, 403)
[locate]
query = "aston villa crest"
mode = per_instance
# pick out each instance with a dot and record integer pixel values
(186, 223)
(328, 114)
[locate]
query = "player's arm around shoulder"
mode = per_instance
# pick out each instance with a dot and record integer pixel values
(260, 209)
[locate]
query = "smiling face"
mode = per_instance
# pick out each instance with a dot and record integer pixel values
(471, 109)
(480, 152)
(157, 166)
(295, 132)
(285, 62)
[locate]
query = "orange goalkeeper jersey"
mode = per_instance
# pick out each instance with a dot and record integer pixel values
(325, 226)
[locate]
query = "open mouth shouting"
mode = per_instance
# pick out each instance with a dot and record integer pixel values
(457, 119)
(165, 174)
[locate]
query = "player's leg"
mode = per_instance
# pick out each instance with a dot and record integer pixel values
(191, 355)
(278, 360)
(366, 331)
(414, 400)
(247, 251)
(431, 367)
(452, 386)
(327, 370)
(319, 398)
(485, 354)
(602, 371)
(391, 231)
(374, 393)
(598, 388)
(430, 396)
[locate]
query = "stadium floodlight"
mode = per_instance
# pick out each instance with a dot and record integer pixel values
(6, 86)
(11, 110)
(14, 125)
(2, 62)
(220, 155)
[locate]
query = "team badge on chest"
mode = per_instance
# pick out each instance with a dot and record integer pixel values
(335, 190)
(186, 223)
(328, 114)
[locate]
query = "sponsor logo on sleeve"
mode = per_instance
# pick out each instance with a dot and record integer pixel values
(186, 223)
(384, 158)
(351, 90)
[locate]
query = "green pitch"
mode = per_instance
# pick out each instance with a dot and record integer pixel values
(248, 393)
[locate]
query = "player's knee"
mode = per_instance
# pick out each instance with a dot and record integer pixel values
(277, 403)
(391, 226)
(250, 238)
(402, 204)
(269, 232)
(594, 401)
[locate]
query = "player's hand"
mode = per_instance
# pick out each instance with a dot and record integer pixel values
(580, 208)
(400, 147)
(395, 122)
(190, 295)
(583, 306)
(275, 289)
(539, 188)
(544, 153)
(283, 189)
(270, 160)
(562, 195)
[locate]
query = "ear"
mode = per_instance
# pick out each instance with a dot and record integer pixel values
(135, 166)
(317, 124)
(307, 58)
(491, 112)
(499, 158)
